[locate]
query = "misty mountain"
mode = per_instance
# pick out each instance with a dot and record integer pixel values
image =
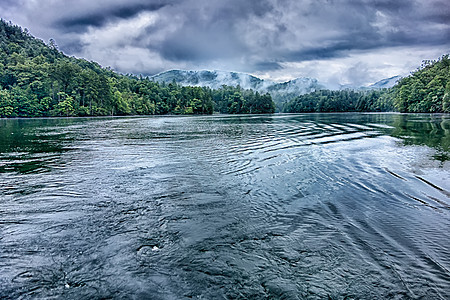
(385, 83)
(299, 86)
(281, 92)
(212, 79)
(216, 79)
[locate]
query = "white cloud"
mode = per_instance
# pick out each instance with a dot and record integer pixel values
(114, 45)
(119, 33)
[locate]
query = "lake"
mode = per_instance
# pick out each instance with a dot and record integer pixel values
(336, 206)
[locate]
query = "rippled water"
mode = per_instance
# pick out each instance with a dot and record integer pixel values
(314, 206)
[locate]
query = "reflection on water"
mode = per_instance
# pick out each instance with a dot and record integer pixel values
(430, 130)
(279, 206)
(29, 146)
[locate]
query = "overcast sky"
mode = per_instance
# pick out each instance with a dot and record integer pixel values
(336, 41)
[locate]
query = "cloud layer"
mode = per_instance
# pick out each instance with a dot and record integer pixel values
(345, 41)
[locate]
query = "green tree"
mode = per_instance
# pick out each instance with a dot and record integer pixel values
(65, 106)
(6, 105)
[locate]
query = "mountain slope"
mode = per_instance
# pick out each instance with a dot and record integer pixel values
(216, 79)
(385, 83)
(212, 79)
(425, 90)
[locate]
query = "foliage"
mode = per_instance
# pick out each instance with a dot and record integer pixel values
(427, 89)
(234, 100)
(38, 80)
(341, 101)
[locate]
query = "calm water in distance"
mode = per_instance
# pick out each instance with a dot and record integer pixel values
(306, 206)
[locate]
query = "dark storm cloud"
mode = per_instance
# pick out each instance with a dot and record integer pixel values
(267, 66)
(209, 45)
(100, 17)
(6, 3)
(388, 5)
(359, 25)
(71, 46)
(440, 12)
(208, 33)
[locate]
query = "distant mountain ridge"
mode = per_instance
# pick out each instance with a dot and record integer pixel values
(212, 79)
(385, 83)
(216, 79)
(281, 92)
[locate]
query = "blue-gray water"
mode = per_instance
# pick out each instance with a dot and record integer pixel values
(315, 206)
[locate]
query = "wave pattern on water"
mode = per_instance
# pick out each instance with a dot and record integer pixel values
(300, 206)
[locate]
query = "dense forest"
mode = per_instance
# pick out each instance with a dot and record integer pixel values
(342, 101)
(37, 79)
(425, 90)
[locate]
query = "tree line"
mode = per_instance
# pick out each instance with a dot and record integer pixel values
(38, 80)
(342, 101)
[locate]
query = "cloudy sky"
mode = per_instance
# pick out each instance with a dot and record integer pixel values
(337, 41)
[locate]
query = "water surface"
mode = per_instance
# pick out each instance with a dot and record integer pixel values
(312, 206)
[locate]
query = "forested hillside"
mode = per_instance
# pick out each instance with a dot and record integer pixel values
(38, 80)
(427, 89)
